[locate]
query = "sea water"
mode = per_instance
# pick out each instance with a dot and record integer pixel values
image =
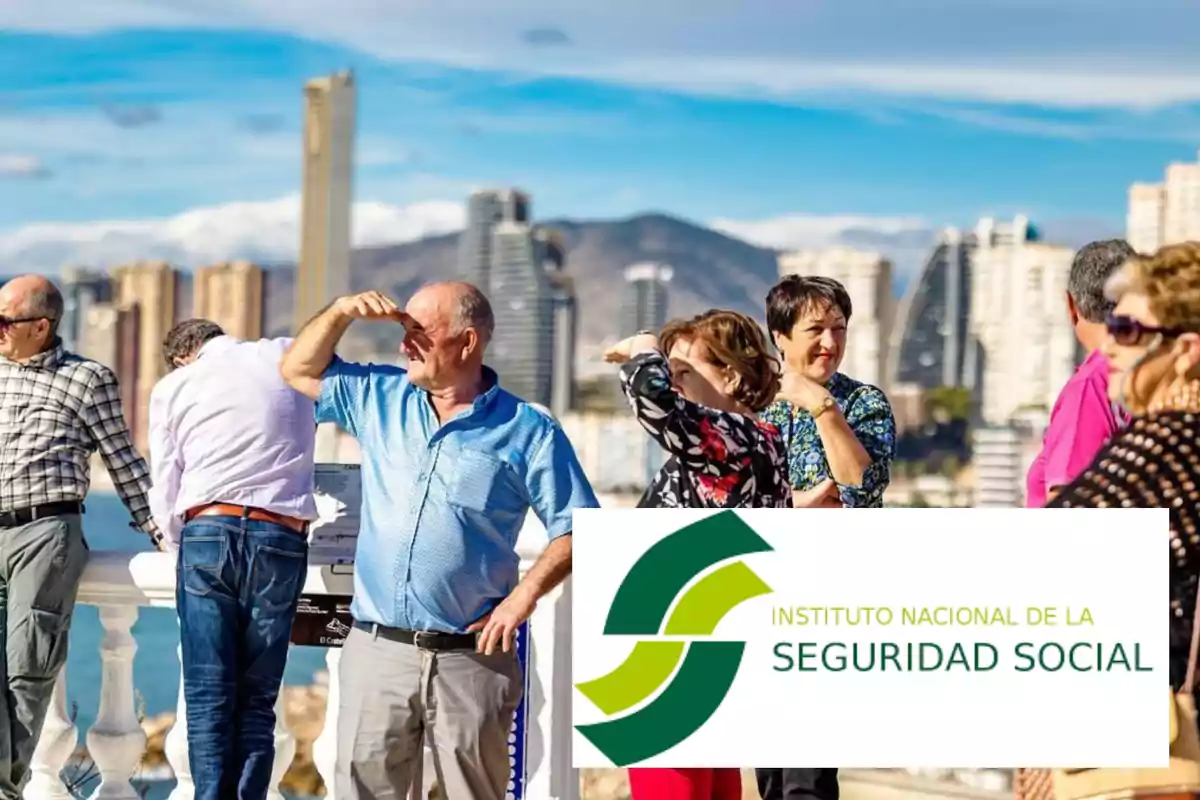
(156, 663)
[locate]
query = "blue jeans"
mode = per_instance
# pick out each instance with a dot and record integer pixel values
(237, 588)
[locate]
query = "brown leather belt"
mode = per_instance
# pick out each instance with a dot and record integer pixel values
(246, 512)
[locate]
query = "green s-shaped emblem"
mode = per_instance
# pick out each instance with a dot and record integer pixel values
(708, 668)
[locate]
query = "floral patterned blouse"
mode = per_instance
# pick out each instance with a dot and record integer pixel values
(869, 414)
(718, 459)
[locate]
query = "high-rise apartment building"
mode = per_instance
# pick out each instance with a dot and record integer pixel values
(109, 334)
(646, 298)
(1165, 213)
(231, 295)
(644, 308)
(1144, 224)
(98, 338)
(867, 277)
(996, 456)
(1181, 203)
(931, 343)
(522, 300)
(486, 209)
(522, 271)
(1018, 316)
(987, 314)
(81, 290)
(323, 272)
(551, 250)
(563, 394)
(1001, 456)
(148, 287)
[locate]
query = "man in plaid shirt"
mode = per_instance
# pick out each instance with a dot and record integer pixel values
(56, 410)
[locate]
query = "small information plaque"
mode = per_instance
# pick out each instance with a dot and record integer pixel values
(322, 620)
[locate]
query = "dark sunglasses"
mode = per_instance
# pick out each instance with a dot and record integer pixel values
(8, 322)
(1127, 331)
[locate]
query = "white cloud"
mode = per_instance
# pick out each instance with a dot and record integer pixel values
(1057, 53)
(1043, 83)
(20, 166)
(905, 241)
(812, 231)
(264, 231)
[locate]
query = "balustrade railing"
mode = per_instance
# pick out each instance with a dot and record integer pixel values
(119, 584)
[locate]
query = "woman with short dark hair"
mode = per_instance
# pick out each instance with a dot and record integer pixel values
(840, 436)
(840, 432)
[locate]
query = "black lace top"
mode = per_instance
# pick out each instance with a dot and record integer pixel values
(718, 459)
(1154, 463)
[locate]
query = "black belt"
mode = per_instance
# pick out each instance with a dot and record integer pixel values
(24, 516)
(426, 640)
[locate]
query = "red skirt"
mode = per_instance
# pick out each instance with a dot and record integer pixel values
(685, 784)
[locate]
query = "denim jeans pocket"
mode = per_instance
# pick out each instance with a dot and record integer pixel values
(202, 557)
(277, 575)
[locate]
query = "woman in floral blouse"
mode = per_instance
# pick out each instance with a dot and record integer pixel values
(697, 390)
(840, 433)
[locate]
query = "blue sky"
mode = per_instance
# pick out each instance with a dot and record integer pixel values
(746, 111)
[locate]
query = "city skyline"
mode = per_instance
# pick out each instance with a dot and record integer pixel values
(105, 136)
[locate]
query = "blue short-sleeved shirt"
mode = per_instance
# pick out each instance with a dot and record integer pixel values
(442, 505)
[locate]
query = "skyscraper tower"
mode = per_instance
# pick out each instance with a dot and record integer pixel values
(486, 209)
(552, 252)
(81, 289)
(323, 273)
(1167, 212)
(645, 309)
(522, 298)
(149, 287)
(645, 306)
(1028, 345)
(563, 395)
(231, 295)
(109, 334)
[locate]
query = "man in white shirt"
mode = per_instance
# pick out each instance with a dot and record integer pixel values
(231, 451)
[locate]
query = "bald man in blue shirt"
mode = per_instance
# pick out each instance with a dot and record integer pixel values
(451, 465)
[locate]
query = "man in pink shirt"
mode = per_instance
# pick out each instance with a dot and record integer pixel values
(1083, 418)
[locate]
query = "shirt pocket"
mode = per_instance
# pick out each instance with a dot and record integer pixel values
(12, 411)
(478, 482)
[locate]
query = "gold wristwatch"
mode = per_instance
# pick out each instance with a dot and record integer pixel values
(824, 406)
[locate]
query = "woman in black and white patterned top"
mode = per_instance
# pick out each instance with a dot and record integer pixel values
(697, 390)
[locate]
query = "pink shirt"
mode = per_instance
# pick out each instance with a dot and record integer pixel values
(1080, 423)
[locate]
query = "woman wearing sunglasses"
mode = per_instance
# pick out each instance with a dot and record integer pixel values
(1154, 353)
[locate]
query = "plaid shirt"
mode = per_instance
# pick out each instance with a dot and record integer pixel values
(55, 412)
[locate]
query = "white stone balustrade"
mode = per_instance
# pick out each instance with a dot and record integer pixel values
(120, 583)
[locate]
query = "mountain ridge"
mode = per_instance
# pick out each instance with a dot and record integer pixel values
(711, 269)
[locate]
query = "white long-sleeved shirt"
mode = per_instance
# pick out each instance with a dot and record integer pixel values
(227, 429)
